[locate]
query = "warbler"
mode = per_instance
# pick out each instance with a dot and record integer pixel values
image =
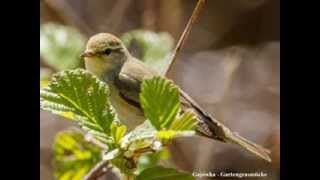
(106, 57)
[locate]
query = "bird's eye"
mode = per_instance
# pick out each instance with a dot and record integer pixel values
(107, 51)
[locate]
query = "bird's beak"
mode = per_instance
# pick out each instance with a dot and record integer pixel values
(87, 54)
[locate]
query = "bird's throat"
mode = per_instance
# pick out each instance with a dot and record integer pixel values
(102, 69)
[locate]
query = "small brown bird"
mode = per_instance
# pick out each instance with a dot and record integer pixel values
(107, 58)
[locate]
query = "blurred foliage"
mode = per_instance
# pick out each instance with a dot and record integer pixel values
(151, 160)
(73, 156)
(162, 173)
(155, 48)
(60, 46)
(45, 74)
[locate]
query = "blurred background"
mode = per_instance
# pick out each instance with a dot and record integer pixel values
(230, 65)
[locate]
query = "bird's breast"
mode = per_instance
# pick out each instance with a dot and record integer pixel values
(128, 113)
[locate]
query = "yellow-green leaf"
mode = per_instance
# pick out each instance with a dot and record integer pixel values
(117, 132)
(186, 122)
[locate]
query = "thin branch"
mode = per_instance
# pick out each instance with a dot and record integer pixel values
(185, 33)
(97, 171)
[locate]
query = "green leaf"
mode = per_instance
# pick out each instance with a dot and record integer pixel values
(60, 46)
(73, 156)
(80, 96)
(162, 173)
(160, 101)
(117, 132)
(186, 122)
(154, 48)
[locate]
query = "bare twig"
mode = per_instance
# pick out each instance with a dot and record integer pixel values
(97, 171)
(185, 33)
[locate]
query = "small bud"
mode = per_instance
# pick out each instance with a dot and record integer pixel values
(156, 145)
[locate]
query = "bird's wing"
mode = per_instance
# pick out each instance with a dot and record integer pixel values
(130, 78)
(208, 126)
(129, 82)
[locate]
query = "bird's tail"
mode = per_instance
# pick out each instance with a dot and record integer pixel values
(213, 129)
(248, 145)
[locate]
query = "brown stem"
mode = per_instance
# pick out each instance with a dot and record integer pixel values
(144, 150)
(185, 33)
(97, 171)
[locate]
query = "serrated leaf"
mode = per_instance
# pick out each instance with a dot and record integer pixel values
(186, 122)
(73, 156)
(162, 173)
(155, 48)
(117, 132)
(60, 46)
(80, 96)
(160, 101)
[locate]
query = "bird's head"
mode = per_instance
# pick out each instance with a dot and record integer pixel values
(104, 54)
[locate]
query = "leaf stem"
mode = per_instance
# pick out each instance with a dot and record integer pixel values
(97, 171)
